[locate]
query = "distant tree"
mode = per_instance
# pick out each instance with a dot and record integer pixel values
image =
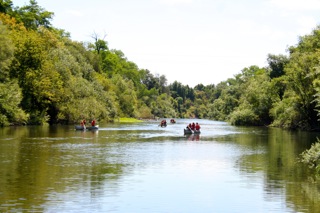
(163, 107)
(126, 96)
(277, 64)
(10, 99)
(6, 53)
(100, 45)
(6, 6)
(179, 90)
(254, 106)
(149, 79)
(199, 87)
(298, 107)
(34, 16)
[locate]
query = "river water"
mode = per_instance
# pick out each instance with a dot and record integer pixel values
(142, 167)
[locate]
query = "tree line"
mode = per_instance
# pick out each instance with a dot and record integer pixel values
(46, 77)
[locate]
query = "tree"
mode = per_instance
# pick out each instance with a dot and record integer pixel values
(34, 16)
(277, 64)
(163, 106)
(6, 53)
(6, 6)
(10, 99)
(148, 79)
(126, 96)
(297, 108)
(225, 98)
(255, 103)
(100, 45)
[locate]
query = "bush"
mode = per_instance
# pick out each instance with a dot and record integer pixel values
(311, 156)
(243, 117)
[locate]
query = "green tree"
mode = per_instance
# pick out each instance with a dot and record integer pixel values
(6, 6)
(100, 45)
(34, 73)
(277, 64)
(10, 99)
(300, 76)
(163, 106)
(126, 96)
(298, 107)
(254, 106)
(149, 80)
(6, 53)
(225, 99)
(34, 16)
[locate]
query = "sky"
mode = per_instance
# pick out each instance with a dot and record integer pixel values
(189, 41)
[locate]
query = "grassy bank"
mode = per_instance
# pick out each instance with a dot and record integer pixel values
(128, 120)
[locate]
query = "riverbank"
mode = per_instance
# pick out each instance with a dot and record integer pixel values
(128, 120)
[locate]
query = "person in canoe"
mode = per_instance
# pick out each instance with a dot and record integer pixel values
(193, 126)
(83, 123)
(197, 127)
(189, 127)
(93, 122)
(163, 123)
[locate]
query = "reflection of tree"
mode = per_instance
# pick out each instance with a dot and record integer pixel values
(39, 161)
(275, 152)
(103, 175)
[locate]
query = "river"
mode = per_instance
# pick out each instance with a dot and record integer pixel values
(141, 167)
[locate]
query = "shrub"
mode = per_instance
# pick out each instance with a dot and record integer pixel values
(243, 117)
(311, 156)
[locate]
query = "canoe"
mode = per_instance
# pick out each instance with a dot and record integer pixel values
(188, 131)
(163, 123)
(78, 127)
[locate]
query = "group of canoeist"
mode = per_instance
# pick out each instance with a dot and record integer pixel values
(193, 127)
(83, 123)
(163, 123)
(190, 129)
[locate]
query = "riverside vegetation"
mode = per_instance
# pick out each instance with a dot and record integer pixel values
(45, 77)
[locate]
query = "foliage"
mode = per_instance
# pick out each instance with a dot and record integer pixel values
(300, 100)
(256, 101)
(125, 96)
(6, 6)
(6, 52)
(228, 95)
(163, 106)
(286, 113)
(243, 116)
(277, 64)
(144, 112)
(10, 98)
(34, 16)
(311, 157)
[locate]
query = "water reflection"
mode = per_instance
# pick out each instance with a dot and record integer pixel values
(145, 168)
(193, 137)
(275, 153)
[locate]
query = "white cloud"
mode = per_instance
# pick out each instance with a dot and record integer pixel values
(296, 5)
(175, 2)
(197, 37)
(76, 13)
(307, 23)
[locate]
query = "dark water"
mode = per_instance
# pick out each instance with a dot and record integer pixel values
(145, 168)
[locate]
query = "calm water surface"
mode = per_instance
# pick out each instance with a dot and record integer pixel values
(145, 168)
